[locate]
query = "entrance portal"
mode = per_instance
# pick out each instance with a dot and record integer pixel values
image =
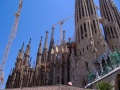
(119, 81)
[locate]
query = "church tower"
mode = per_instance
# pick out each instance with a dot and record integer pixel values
(90, 43)
(15, 73)
(51, 73)
(38, 65)
(39, 55)
(25, 67)
(116, 12)
(51, 41)
(111, 28)
(44, 61)
(100, 43)
(45, 49)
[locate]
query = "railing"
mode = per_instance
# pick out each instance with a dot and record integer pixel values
(107, 67)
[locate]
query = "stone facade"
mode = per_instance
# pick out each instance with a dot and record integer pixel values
(72, 61)
(90, 43)
(52, 65)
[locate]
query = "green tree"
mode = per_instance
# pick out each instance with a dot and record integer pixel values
(104, 86)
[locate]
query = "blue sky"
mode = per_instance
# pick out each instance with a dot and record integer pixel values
(37, 16)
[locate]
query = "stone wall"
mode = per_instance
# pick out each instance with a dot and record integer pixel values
(59, 87)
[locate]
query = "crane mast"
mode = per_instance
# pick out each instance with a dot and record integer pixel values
(9, 43)
(61, 30)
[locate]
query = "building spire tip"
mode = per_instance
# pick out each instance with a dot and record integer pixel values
(23, 44)
(30, 41)
(47, 32)
(41, 37)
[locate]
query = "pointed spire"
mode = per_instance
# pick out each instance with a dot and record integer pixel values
(45, 50)
(11, 71)
(46, 41)
(27, 52)
(52, 39)
(20, 54)
(52, 36)
(22, 46)
(63, 36)
(51, 43)
(40, 47)
(39, 54)
(29, 42)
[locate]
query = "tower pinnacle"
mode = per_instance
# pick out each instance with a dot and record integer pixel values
(52, 40)
(40, 47)
(27, 54)
(46, 41)
(45, 50)
(63, 36)
(39, 54)
(19, 59)
(20, 54)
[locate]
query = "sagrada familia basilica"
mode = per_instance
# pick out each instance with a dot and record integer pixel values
(86, 61)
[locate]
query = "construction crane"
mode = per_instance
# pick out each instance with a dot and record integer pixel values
(61, 30)
(9, 43)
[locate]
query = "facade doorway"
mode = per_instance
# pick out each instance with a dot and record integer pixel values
(119, 81)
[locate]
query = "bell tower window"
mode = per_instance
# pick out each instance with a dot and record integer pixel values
(86, 64)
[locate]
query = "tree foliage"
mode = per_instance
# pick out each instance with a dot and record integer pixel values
(104, 86)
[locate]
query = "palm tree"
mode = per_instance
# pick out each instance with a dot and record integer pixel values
(104, 86)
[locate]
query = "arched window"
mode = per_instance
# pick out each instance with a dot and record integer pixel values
(83, 49)
(78, 35)
(112, 32)
(79, 10)
(81, 29)
(109, 32)
(58, 79)
(87, 47)
(94, 26)
(85, 30)
(86, 65)
(81, 32)
(115, 32)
